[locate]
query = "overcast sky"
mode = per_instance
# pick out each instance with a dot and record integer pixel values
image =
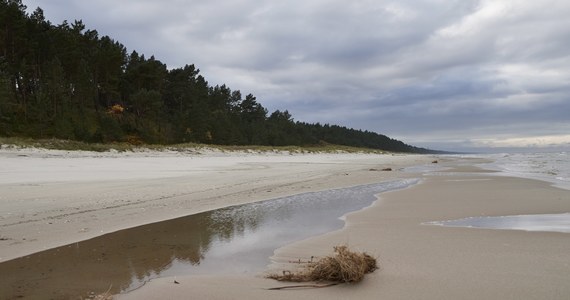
(444, 74)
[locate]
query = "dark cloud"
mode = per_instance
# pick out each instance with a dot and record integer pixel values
(457, 74)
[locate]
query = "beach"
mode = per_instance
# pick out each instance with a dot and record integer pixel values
(422, 261)
(51, 198)
(417, 260)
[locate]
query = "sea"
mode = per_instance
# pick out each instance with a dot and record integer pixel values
(549, 167)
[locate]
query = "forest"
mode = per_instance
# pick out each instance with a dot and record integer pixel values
(67, 82)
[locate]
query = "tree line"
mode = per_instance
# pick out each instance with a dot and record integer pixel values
(65, 81)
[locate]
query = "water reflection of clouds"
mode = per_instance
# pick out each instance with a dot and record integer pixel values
(254, 231)
(542, 222)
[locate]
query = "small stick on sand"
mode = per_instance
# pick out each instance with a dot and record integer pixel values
(304, 286)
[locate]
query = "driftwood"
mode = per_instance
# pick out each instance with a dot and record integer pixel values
(304, 286)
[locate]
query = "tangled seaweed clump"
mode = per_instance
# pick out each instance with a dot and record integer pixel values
(342, 267)
(104, 296)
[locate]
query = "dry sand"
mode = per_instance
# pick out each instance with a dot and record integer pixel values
(49, 199)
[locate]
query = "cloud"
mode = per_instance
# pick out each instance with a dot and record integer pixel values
(544, 141)
(445, 73)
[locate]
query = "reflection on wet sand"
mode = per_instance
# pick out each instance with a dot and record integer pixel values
(543, 222)
(114, 259)
(237, 239)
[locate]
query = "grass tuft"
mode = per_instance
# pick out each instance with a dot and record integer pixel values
(342, 267)
(104, 296)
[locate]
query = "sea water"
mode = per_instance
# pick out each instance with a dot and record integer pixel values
(550, 167)
(542, 222)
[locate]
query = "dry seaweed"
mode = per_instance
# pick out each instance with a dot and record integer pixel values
(104, 296)
(344, 266)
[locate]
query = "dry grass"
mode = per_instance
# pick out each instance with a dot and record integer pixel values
(104, 296)
(344, 266)
(133, 143)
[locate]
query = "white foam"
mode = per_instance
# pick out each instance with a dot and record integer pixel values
(549, 167)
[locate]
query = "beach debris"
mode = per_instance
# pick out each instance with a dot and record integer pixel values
(104, 296)
(344, 266)
(384, 169)
(434, 162)
(176, 282)
(303, 286)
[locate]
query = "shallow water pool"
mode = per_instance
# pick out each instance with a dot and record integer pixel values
(233, 240)
(542, 222)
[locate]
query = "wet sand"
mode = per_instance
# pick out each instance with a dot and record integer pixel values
(232, 240)
(422, 261)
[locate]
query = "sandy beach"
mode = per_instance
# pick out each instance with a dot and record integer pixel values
(422, 261)
(57, 203)
(51, 198)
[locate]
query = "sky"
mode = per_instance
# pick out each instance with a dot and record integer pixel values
(457, 75)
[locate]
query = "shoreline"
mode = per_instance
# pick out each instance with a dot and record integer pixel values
(422, 261)
(539, 168)
(417, 261)
(53, 198)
